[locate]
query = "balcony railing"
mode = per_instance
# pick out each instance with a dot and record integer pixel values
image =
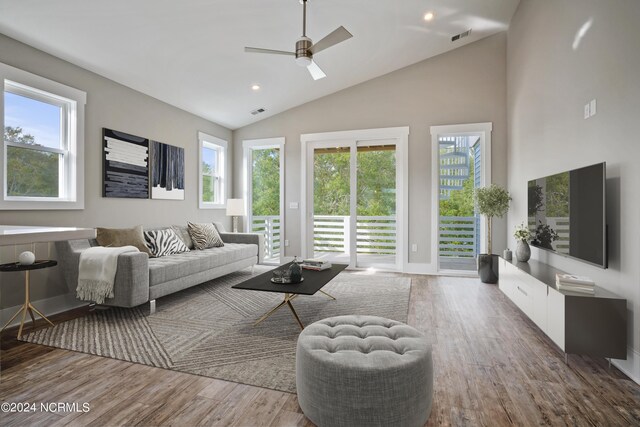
(270, 227)
(374, 234)
(458, 237)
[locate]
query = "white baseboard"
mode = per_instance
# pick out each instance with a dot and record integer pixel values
(48, 306)
(419, 268)
(430, 269)
(631, 366)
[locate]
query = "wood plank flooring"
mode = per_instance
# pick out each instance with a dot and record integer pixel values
(493, 367)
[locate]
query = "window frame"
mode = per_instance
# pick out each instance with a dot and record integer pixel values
(221, 146)
(71, 166)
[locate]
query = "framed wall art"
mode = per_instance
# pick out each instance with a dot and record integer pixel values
(167, 171)
(125, 165)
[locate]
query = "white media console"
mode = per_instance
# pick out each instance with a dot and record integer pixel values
(594, 325)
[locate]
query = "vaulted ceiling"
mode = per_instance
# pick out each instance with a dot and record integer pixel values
(189, 53)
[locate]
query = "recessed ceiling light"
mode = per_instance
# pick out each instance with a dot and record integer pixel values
(255, 87)
(428, 16)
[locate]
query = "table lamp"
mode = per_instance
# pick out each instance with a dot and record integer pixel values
(235, 208)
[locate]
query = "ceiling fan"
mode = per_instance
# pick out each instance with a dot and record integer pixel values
(305, 48)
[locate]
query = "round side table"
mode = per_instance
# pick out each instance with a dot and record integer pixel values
(27, 306)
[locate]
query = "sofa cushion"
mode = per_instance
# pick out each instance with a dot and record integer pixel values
(173, 267)
(204, 236)
(219, 227)
(164, 242)
(117, 237)
(183, 234)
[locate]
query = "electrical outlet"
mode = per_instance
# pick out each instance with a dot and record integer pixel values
(414, 247)
(286, 243)
(592, 107)
(587, 111)
(293, 205)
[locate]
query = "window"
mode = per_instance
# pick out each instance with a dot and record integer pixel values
(42, 143)
(212, 165)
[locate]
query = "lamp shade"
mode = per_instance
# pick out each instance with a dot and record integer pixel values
(235, 207)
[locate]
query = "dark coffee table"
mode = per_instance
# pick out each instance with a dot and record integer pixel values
(313, 282)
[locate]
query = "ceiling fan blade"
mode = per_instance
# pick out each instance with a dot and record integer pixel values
(337, 36)
(275, 52)
(315, 71)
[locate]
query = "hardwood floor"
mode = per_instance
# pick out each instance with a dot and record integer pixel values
(493, 367)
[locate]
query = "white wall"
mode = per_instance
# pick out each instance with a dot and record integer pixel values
(549, 81)
(465, 85)
(113, 106)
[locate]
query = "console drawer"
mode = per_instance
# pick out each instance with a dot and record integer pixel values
(523, 297)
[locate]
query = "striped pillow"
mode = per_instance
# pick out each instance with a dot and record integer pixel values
(204, 236)
(164, 242)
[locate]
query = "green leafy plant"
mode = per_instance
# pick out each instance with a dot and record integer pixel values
(492, 201)
(522, 233)
(30, 173)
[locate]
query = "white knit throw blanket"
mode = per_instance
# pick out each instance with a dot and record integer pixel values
(98, 266)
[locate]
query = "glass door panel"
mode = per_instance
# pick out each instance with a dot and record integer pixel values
(460, 166)
(331, 204)
(265, 199)
(376, 206)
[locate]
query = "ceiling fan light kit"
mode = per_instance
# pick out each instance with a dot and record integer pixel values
(303, 55)
(305, 49)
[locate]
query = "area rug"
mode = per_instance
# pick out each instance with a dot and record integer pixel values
(208, 329)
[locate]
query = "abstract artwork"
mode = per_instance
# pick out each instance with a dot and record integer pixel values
(125, 165)
(167, 171)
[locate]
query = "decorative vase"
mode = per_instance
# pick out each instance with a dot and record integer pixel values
(523, 251)
(488, 268)
(295, 271)
(506, 254)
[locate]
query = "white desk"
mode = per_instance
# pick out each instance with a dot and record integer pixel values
(24, 234)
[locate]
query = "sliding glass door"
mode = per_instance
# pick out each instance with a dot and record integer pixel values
(354, 199)
(331, 203)
(376, 231)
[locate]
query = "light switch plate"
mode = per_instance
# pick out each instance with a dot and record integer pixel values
(293, 205)
(414, 247)
(592, 107)
(586, 110)
(286, 242)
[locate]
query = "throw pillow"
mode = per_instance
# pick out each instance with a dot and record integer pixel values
(164, 242)
(117, 237)
(219, 227)
(183, 234)
(204, 236)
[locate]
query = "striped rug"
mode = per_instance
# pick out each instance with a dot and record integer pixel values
(208, 329)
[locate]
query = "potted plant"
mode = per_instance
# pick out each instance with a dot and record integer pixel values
(522, 235)
(492, 201)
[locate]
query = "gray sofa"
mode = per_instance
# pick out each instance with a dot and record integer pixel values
(141, 279)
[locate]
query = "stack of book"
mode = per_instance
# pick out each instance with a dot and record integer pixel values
(570, 282)
(315, 264)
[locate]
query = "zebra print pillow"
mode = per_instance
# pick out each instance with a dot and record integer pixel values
(204, 236)
(164, 242)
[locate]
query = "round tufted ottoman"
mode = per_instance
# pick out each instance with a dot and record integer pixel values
(364, 371)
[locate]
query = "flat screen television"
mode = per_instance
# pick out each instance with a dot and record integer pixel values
(567, 213)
